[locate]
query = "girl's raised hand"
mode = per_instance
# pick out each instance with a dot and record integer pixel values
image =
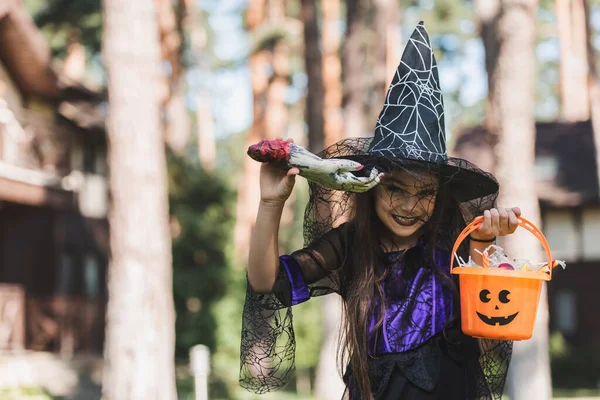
(276, 184)
(497, 222)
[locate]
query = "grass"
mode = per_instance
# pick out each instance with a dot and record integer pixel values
(576, 393)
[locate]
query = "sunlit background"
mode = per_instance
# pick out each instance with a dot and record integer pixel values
(231, 73)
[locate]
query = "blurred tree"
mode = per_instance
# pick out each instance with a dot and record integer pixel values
(201, 219)
(574, 73)
(592, 78)
(274, 36)
(354, 71)
(332, 71)
(173, 23)
(85, 16)
(140, 334)
(508, 31)
(248, 190)
(315, 96)
(389, 42)
(328, 384)
(207, 293)
(74, 33)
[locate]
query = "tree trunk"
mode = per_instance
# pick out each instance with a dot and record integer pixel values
(315, 96)
(177, 130)
(270, 118)
(594, 89)
(248, 190)
(140, 334)
(512, 65)
(487, 13)
(326, 118)
(332, 72)
(573, 67)
(353, 61)
(177, 125)
(74, 65)
(207, 145)
(389, 39)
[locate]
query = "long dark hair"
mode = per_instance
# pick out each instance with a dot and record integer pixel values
(362, 278)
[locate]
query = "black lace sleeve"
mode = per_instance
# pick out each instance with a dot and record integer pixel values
(268, 343)
(493, 360)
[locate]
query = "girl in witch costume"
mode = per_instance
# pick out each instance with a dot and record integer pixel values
(386, 252)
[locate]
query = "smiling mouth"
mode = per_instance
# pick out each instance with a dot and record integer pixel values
(405, 221)
(497, 320)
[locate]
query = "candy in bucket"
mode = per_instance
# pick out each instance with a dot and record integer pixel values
(494, 256)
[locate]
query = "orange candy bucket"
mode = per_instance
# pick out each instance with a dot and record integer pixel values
(498, 303)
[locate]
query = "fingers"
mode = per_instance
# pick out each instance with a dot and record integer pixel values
(513, 219)
(500, 221)
(293, 171)
(486, 226)
(360, 185)
(289, 181)
(495, 220)
(347, 165)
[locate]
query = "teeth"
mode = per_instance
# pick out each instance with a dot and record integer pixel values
(404, 219)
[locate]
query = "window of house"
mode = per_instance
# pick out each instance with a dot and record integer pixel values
(66, 270)
(591, 234)
(546, 168)
(566, 311)
(560, 230)
(91, 276)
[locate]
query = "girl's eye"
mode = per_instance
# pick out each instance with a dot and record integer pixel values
(393, 188)
(427, 193)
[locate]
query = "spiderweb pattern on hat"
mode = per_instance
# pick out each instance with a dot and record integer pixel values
(414, 103)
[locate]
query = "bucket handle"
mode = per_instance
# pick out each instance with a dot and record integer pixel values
(522, 223)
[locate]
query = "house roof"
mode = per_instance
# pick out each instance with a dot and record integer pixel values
(27, 57)
(566, 171)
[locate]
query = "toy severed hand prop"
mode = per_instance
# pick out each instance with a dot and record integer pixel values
(332, 173)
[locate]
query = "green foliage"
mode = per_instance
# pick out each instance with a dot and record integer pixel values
(24, 393)
(574, 368)
(59, 19)
(201, 215)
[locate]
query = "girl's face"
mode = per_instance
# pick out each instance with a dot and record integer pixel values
(404, 202)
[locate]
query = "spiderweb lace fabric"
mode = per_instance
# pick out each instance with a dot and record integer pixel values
(493, 362)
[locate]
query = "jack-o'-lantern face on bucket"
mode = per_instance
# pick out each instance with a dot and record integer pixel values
(495, 308)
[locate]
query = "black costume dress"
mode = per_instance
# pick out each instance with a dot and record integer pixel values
(418, 353)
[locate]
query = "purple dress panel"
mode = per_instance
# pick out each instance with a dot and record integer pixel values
(417, 308)
(300, 292)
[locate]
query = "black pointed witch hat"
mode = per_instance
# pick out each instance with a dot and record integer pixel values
(411, 129)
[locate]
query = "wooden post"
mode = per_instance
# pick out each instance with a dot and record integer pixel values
(200, 365)
(12, 317)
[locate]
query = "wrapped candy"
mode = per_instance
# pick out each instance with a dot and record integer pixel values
(494, 256)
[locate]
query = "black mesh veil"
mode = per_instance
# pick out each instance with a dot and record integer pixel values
(268, 342)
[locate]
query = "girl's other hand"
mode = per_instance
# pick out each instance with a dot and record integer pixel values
(276, 184)
(498, 222)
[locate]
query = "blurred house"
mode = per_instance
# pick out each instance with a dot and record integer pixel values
(53, 198)
(567, 185)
